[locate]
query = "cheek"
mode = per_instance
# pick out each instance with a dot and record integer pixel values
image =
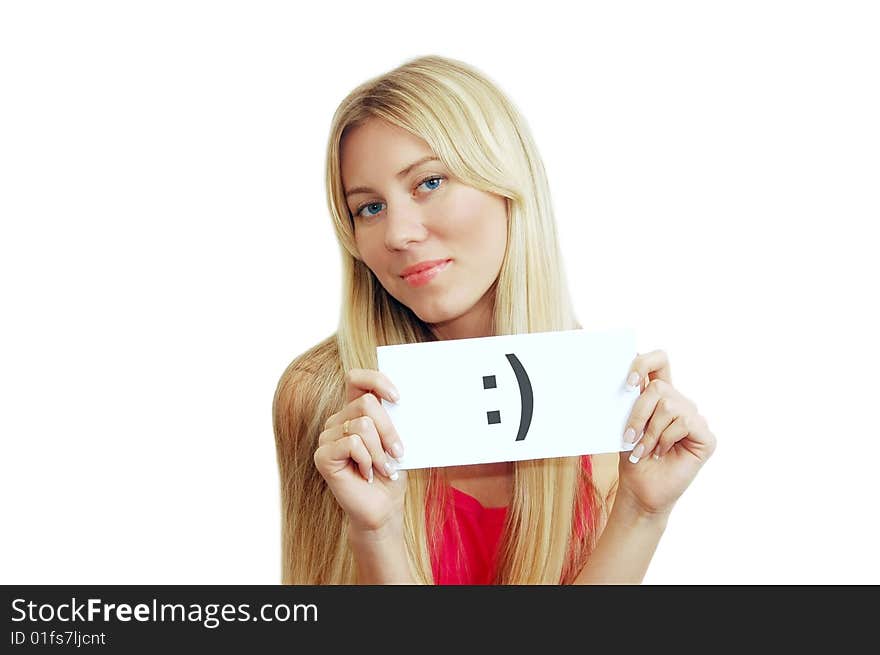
(478, 217)
(370, 255)
(375, 264)
(487, 227)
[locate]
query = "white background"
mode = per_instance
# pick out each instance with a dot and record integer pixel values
(166, 250)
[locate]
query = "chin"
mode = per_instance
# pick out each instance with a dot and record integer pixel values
(436, 314)
(434, 317)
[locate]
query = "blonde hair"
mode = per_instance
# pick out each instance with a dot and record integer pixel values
(484, 142)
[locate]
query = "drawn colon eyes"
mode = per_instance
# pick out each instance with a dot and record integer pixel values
(525, 395)
(494, 416)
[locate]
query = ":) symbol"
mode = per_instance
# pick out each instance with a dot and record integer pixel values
(525, 395)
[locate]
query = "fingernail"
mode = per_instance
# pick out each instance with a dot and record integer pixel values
(397, 449)
(390, 468)
(394, 395)
(656, 456)
(637, 453)
(633, 379)
(370, 476)
(394, 476)
(629, 436)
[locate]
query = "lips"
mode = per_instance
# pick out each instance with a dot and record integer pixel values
(422, 277)
(421, 266)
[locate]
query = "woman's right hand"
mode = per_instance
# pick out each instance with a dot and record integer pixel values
(359, 466)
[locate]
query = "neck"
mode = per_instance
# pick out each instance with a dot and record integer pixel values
(477, 322)
(479, 471)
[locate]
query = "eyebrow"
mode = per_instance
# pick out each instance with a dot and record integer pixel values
(364, 189)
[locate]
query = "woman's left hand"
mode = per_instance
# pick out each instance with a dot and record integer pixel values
(676, 442)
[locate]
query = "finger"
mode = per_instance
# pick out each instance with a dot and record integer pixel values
(327, 436)
(332, 420)
(361, 380)
(664, 414)
(642, 410)
(649, 366)
(701, 441)
(365, 427)
(368, 405)
(334, 456)
(676, 431)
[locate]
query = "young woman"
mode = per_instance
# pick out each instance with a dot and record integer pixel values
(442, 210)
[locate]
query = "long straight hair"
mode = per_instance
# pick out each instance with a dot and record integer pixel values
(552, 522)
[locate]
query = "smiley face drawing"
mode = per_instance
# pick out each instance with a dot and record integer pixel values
(525, 395)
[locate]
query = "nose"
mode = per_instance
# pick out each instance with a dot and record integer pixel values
(404, 223)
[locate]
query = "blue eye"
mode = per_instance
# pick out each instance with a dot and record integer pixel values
(432, 179)
(372, 204)
(429, 180)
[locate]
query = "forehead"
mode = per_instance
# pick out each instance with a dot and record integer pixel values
(377, 149)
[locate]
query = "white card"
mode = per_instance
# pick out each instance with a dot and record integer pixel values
(510, 397)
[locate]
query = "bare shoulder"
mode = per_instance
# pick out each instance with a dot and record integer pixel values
(605, 472)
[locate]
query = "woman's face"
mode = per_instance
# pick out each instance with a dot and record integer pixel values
(405, 215)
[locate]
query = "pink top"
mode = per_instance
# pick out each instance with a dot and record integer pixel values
(479, 529)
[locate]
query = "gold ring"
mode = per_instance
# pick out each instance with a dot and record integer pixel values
(345, 427)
